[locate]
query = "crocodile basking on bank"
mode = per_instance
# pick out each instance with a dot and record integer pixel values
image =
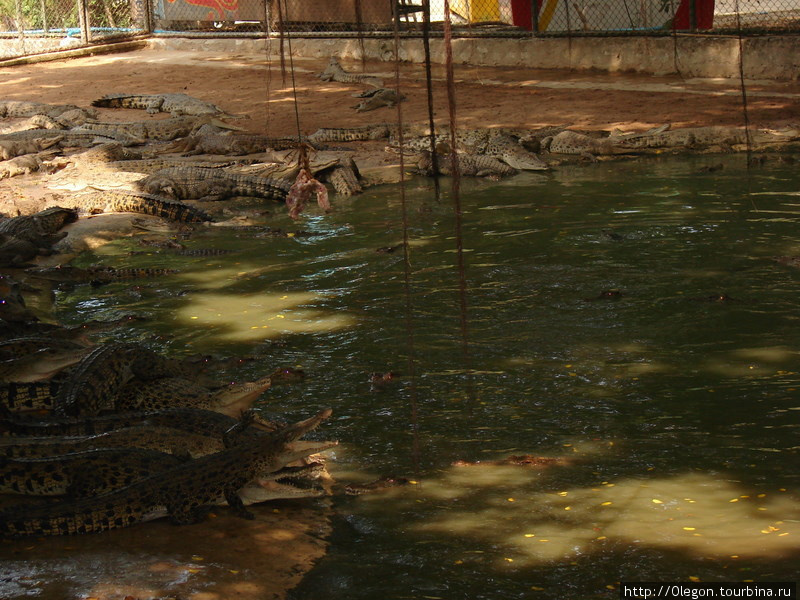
(335, 72)
(176, 104)
(212, 184)
(138, 202)
(184, 492)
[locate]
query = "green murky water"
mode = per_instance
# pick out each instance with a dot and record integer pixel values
(677, 417)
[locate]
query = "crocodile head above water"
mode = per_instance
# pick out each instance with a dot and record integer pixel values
(234, 398)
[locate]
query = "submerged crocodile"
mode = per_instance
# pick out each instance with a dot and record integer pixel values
(97, 274)
(138, 202)
(335, 72)
(176, 104)
(184, 492)
(212, 184)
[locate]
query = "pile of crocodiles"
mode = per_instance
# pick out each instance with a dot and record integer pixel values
(116, 433)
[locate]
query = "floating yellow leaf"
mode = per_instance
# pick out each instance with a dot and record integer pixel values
(761, 496)
(510, 499)
(602, 537)
(537, 589)
(606, 503)
(783, 534)
(544, 540)
(197, 557)
(690, 528)
(733, 500)
(509, 559)
(530, 535)
(193, 570)
(610, 587)
(567, 508)
(233, 571)
(562, 493)
(656, 501)
(693, 578)
(458, 562)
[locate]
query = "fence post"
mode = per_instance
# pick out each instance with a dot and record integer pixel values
(692, 16)
(83, 21)
(20, 24)
(535, 17)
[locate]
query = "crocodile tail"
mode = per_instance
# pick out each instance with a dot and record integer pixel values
(150, 204)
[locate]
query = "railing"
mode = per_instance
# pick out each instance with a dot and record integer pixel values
(35, 26)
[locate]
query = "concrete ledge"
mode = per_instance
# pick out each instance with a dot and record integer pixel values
(101, 48)
(765, 57)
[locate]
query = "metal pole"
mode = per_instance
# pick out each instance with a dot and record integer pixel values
(692, 16)
(20, 24)
(83, 21)
(43, 8)
(535, 16)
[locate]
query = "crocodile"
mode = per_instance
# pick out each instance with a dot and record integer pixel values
(40, 228)
(93, 384)
(344, 179)
(212, 184)
(17, 253)
(17, 396)
(176, 104)
(231, 144)
(511, 152)
(161, 130)
(138, 202)
(22, 108)
(382, 483)
(48, 357)
(153, 165)
(25, 164)
(379, 131)
(81, 474)
(34, 122)
(379, 98)
(195, 420)
(168, 392)
(143, 435)
(70, 137)
(185, 492)
(518, 460)
(335, 72)
(11, 148)
(471, 165)
(97, 274)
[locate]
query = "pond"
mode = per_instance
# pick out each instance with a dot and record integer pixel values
(624, 318)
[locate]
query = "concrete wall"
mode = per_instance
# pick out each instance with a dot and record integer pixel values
(765, 57)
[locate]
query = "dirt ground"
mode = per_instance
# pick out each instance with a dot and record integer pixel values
(284, 545)
(251, 85)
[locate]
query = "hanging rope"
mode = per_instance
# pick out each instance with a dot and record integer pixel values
(360, 33)
(291, 71)
(267, 53)
(426, 45)
(743, 87)
(456, 192)
(409, 309)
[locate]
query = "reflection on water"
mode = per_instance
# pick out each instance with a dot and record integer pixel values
(627, 316)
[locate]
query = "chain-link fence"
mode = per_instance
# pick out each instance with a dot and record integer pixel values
(32, 26)
(480, 17)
